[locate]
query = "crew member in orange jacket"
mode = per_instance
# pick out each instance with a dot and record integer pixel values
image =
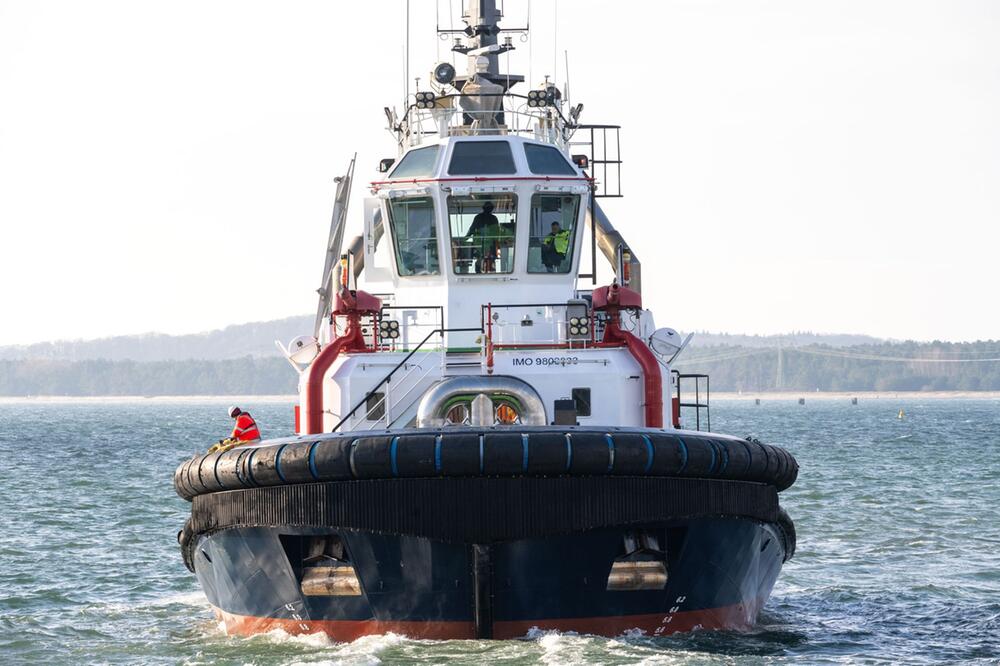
(245, 429)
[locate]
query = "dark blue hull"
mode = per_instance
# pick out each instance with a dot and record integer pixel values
(718, 573)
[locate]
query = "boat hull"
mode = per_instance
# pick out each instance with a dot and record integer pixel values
(719, 572)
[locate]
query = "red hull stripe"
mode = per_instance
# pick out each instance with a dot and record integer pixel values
(738, 617)
(344, 630)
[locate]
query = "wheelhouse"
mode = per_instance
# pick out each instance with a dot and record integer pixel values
(465, 214)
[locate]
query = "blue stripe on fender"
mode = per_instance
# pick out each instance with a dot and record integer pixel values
(277, 462)
(250, 478)
(524, 452)
(392, 455)
(437, 453)
(312, 461)
(569, 451)
(611, 451)
(711, 447)
(649, 454)
(684, 455)
(215, 471)
(482, 453)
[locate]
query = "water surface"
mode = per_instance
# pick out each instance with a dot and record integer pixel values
(898, 555)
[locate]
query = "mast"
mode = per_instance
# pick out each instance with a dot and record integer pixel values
(481, 44)
(482, 20)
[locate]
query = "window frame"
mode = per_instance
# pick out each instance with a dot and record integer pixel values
(515, 212)
(456, 146)
(396, 258)
(578, 400)
(578, 200)
(527, 160)
(375, 407)
(434, 165)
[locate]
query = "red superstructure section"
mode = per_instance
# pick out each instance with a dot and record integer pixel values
(352, 305)
(613, 299)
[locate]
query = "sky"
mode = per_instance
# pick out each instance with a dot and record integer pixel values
(789, 165)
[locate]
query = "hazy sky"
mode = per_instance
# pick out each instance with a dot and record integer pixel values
(790, 164)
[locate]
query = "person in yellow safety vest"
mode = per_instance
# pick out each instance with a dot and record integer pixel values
(245, 429)
(554, 248)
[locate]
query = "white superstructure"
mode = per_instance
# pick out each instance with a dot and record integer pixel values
(472, 244)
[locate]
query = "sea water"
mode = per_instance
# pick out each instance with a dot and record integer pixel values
(898, 552)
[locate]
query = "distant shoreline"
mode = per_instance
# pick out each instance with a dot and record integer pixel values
(773, 396)
(860, 395)
(84, 399)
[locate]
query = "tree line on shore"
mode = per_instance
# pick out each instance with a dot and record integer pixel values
(906, 366)
(245, 376)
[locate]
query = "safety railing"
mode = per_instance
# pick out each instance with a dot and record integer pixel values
(386, 403)
(538, 325)
(443, 116)
(697, 405)
(400, 327)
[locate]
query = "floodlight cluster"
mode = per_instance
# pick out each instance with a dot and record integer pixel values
(540, 97)
(389, 328)
(579, 326)
(425, 99)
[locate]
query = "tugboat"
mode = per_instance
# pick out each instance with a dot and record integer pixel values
(487, 441)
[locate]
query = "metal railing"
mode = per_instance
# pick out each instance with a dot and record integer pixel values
(534, 330)
(388, 377)
(513, 117)
(697, 405)
(410, 326)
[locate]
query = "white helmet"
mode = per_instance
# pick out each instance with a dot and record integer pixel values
(234, 411)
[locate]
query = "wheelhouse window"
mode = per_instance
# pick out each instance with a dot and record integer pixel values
(547, 160)
(553, 232)
(481, 158)
(418, 163)
(483, 229)
(413, 236)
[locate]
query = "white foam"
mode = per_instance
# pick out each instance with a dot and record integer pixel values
(633, 633)
(193, 599)
(559, 647)
(181, 598)
(282, 637)
(366, 650)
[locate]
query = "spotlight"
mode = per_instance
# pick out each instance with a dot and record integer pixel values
(425, 99)
(444, 73)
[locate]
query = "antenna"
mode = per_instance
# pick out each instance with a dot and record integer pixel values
(555, 43)
(569, 100)
(406, 59)
(531, 51)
